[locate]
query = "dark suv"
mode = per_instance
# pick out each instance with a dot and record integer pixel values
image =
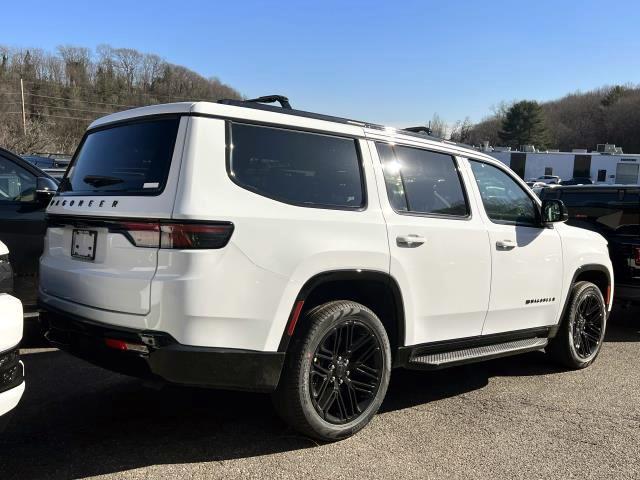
(25, 191)
(614, 212)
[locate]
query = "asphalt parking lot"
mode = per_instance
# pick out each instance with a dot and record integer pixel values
(519, 417)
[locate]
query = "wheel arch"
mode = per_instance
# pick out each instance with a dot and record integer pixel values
(595, 273)
(377, 290)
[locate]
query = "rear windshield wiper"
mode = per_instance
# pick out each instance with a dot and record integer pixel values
(101, 180)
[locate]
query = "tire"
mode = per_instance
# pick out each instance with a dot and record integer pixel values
(351, 378)
(580, 336)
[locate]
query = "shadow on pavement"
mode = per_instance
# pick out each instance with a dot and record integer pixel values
(76, 420)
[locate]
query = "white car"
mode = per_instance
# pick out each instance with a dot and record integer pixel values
(247, 246)
(548, 179)
(11, 368)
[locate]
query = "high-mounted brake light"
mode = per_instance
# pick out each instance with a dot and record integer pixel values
(175, 235)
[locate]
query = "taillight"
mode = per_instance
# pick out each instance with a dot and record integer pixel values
(194, 235)
(636, 255)
(175, 235)
(141, 234)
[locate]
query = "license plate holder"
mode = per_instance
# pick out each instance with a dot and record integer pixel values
(83, 244)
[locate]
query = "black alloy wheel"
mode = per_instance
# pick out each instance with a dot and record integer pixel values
(587, 325)
(346, 372)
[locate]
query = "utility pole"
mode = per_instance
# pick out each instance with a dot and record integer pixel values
(24, 117)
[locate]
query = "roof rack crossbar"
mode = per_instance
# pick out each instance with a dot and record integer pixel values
(419, 129)
(281, 99)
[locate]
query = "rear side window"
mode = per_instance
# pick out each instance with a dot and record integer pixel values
(300, 168)
(126, 159)
(421, 181)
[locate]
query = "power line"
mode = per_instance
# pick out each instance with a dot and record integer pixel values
(80, 100)
(54, 116)
(65, 108)
(174, 97)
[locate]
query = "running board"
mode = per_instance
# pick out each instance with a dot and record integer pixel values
(431, 361)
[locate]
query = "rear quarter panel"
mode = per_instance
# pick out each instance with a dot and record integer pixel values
(288, 244)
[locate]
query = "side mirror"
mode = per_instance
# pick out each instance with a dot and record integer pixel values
(45, 189)
(554, 211)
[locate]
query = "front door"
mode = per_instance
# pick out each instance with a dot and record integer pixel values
(22, 226)
(526, 257)
(439, 247)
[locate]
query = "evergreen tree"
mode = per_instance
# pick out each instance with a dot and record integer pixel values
(524, 124)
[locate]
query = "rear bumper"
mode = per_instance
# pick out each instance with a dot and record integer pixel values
(164, 359)
(627, 292)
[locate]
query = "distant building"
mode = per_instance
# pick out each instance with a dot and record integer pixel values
(608, 165)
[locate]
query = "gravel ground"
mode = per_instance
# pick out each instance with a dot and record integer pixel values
(517, 417)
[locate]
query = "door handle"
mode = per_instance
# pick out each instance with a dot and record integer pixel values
(410, 241)
(505, 245)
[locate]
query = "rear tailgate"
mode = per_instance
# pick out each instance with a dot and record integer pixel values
(121, 175)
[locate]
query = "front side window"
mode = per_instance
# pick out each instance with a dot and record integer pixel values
(16, 184)
(300, 168)
(421, 181)
(504, 200)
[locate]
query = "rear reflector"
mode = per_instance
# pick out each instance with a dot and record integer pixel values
(175, 235)
(125, 346)
(294, 318)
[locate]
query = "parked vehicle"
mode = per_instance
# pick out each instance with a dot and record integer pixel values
(577, 181)
(242, 245)
(25, 191)
(549, 179)
(614, 212)
(47, 162)
(11, 368)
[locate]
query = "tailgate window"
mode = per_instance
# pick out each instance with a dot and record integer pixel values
(127, 159)
(616, 212)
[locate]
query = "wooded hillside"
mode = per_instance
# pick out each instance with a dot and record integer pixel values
(66, 90)
(578, 120)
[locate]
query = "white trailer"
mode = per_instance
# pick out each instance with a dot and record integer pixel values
(600, 167)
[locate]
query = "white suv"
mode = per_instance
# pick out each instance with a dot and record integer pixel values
(248, 246)
(11, 322)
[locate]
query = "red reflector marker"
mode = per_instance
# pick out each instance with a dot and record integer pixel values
(294, 317)
(115, 344)
(125, 346)
(637, 255)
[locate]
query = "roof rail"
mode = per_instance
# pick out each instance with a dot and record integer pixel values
(419, 129)
(259, 104)
(281, 99)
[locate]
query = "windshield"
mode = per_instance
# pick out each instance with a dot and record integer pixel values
(133, 158)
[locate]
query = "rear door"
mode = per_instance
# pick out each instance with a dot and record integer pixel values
(102, 245)
(439, 247)
(526, 258)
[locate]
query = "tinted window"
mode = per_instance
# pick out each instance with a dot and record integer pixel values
(616, 211)
(297, 167)
(16, 184)
(131, 158)
(421, 181)
(504, 200)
